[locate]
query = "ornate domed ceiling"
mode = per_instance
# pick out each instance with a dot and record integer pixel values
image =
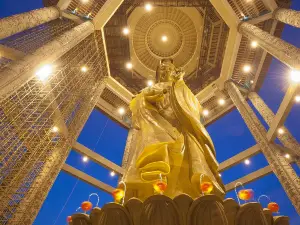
(164, 32)
(193, 34)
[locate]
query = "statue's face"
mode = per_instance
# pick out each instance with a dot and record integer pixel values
(165, 71)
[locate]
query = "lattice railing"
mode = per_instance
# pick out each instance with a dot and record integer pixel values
(31, 154)
(30, 40)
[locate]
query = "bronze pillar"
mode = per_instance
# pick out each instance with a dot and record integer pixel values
(281, 168)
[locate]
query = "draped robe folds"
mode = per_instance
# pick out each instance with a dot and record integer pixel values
(170, 143)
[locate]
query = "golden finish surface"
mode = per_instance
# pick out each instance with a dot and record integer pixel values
(171, 143)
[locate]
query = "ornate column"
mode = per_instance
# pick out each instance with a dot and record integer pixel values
(285, 52)
(287, 138)
(18, 72)
(288, 16)
(17, 23)
(282, 169)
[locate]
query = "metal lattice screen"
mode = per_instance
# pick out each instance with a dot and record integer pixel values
(31, 153)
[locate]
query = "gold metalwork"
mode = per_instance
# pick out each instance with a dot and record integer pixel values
(171, 143)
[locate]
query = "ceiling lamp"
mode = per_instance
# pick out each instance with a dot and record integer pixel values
(254, 44)
(112, 173)
(252, 81)
(54, 129)
(148, 7)
(44, 72)
(247, 68)
(121, 111)
(164, 38)
(150, 83)
(205, 112)
(84, 1)
(280, 131)
(295, 76)
(126, 31)
(297, 98)
(84, 69)
(221, 101)
(247, 162)
(85, 159)
(129, 65)
(287, 156)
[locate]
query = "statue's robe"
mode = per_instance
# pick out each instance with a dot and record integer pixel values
(170, 142)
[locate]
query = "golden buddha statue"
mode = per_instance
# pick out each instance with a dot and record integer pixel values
(171, 144)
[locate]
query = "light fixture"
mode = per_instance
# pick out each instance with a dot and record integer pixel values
(150, 83)
(251, 81)
(295, 76)
(164, 38)
(85, 159)
(205, 112)
(44, 72)
(121, 111)
(84, 69)
(112, 173)
(247, 162)
(254, 44)
(287, 156)
(126, 31)
(220, 175)
(84, 1)
(221, 101)
(297, 98)
(148, 7)
(247, 68)
(54, 129)
(129, 65)
(280, 131)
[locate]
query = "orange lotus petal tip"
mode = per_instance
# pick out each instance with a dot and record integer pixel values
(118, 194)
(160, 186)
(69, 219)
(206, 187)
(273, 206)
(246, 194)
(86, 206)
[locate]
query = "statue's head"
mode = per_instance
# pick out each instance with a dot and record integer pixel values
(165, 70)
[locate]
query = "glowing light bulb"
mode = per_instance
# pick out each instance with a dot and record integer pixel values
(205, 112)
(44, 72)
(297, 98)
(126, 31)
(129, 65)
(247, 162)
(295, 76)
(287, 156)
(251, 81)
(112, 173)
(254, 44)
(84, 1)
(221, 101)
(164, 38)
(121, 111)
(281, 131)
(220, 175)
(148, 7)
(150, 83)
(247, 68)
(85, 159)
(55, 129)
(84, 69)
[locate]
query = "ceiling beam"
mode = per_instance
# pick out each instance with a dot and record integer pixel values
(119, 90)
(249, 178)
(63, 4)
(250, 152)
(105, 13)
(230, 56)
(87, 178)
(283, 111)
(11, 53)
(98, 158)
(270, 4)
(261, 18)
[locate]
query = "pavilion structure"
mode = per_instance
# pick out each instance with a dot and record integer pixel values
(59, 62)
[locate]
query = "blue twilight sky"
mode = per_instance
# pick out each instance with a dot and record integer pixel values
(230, 136)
